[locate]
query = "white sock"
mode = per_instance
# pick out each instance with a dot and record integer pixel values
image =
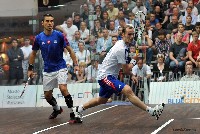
(148, 108)
(80, 108)
(56, 107)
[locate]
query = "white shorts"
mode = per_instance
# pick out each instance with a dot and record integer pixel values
(53, 79)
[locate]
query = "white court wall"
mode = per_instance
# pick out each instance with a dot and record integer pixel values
(18, 8)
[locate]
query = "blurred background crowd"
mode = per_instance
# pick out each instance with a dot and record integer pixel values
(169, 47)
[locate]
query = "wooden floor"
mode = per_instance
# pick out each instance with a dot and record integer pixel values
(117, 120)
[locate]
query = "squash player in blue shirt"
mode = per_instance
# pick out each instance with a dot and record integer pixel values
(52, 44)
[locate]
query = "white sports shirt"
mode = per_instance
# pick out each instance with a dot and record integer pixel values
(117, 56)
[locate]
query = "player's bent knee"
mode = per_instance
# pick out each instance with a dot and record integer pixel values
(127, 91)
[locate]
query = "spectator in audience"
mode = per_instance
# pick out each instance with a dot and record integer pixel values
(84, 33)
(188, 25)
(178, 55)
(83, 55)
(133, 20)
(169, 11)
(153, 19)
(112, 30)
(186, 36)
(140, 71)
(148, 28)
(68, 29)
(85, 13)
(102, 44)
(120, 17)
(98, 12)
(173, 25)
(97, 31)
(125, 8)
(177, 13)
(106, 6)
(194, 50)
(197, 29)
(131, 4)
(114, 40)
(161, 16)
(105, 20)
(16, 57)
(194, 9)
(92, 70)
(68, 60)
(190, 76)
(160, 69)
(159, 28)
(139, 7)
(119, 37)
(112, 12)
(77, 20)
(182, 5)
(147, 48)
(118, 4)
(74, 42)
(162, 45)
(80, 74)
(189, 12)
(26, 49)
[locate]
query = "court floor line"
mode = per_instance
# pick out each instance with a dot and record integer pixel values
(161, 127)
(68, 122)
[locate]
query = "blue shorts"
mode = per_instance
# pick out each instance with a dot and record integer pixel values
(110, 85)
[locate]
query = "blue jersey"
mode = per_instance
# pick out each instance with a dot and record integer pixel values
(52, 47)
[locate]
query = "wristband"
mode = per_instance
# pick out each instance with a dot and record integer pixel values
(30, 67)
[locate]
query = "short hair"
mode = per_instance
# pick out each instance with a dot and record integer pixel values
(161, 32)
(194, 33)
(47, 15)
(81, 41)
(127, 26)
(82, 64)
(13, 39)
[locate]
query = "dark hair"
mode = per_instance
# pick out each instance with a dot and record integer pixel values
(161, 32)
(47, 15)
(197, 24)
(13, 39)
(124, 28)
